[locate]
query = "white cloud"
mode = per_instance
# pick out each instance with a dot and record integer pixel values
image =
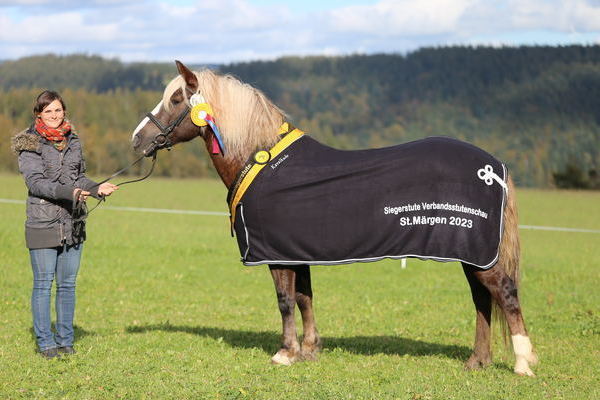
(216, 31)
(581, 15)
(63, 3)
(551, 15)
(401, 17)
(52, 31)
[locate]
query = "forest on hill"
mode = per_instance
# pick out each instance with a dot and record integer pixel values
(535, 108)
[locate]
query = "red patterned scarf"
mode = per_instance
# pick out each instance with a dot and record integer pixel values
(55, 135)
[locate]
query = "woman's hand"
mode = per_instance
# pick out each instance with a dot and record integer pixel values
(106, 189)
(80, 194)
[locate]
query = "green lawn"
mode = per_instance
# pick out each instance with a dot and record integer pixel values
(166, 310)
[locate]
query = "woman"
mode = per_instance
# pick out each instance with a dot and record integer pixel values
(51, 161)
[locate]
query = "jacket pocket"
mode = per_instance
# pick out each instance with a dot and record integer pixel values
(41, 213)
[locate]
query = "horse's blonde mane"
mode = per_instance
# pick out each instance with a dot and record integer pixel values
(247, 119)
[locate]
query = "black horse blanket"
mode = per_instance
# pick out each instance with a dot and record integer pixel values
(436, 198)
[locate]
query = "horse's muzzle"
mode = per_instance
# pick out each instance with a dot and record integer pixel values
(136, 141)
(150, 150)
(160, 141)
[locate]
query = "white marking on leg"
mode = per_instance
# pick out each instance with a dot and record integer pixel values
(523, 354)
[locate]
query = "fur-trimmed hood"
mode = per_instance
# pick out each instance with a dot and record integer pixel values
(25, 141)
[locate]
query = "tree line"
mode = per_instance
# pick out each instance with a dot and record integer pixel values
(535, 108)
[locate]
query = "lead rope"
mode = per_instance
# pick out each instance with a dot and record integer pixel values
(80, 211)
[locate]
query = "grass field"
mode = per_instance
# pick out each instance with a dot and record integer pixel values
(166, 310)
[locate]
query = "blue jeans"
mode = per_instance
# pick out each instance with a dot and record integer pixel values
(62, 263)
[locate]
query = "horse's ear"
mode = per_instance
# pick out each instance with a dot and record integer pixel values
(189, 77)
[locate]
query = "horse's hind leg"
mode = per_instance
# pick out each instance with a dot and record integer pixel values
(285, 286)
(504, 292)
(482, 355)
(311, 343)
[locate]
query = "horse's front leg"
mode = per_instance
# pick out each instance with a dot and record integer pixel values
(285, 285)
(311, 342)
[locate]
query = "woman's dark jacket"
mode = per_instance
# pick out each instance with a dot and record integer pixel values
(51, 177)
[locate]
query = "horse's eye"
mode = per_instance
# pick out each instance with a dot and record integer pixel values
(175, 101)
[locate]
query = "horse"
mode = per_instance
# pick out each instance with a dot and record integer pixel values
(236, 120)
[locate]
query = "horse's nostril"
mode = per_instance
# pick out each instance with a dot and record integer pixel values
(136, 141)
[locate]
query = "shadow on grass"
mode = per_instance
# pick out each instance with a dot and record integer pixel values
(79, 332)
(269, 341)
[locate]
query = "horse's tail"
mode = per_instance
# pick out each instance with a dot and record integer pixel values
(510, 251)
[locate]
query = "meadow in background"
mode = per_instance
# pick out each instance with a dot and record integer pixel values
(170, 312)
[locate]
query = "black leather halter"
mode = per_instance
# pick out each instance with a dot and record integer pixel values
(162, 140)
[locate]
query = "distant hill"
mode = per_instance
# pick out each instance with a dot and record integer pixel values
(505, 82)
(536, 108)
(81, 72)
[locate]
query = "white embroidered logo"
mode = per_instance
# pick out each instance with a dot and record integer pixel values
(488, 175)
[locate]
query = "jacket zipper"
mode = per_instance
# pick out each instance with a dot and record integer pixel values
(63, 237)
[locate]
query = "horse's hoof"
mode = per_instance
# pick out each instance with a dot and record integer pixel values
(475, 362)
(522, 368)
(310, 351)
(280, 359)
(524, 372)
(533, 359)
(308, 355)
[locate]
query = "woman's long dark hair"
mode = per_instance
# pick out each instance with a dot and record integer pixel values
(45, 98)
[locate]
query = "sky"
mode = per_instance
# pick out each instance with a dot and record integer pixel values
(226, 31)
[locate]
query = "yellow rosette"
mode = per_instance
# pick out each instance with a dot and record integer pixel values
(199, 113)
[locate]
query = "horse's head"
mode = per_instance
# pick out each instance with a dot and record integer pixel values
(233, 118)
(179, 117)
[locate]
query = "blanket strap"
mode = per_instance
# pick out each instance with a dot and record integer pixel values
(291, 135)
